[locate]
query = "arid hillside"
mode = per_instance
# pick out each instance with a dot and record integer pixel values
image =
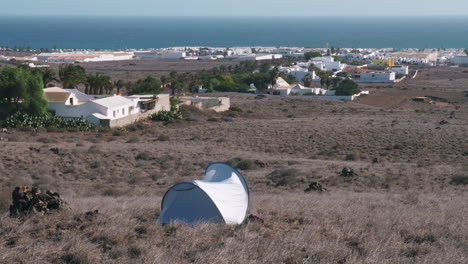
(406, 202)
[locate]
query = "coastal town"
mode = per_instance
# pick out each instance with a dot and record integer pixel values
(331, 73)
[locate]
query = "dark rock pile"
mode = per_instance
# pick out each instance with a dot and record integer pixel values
(347, 172)
(28, 200)
(316, 187)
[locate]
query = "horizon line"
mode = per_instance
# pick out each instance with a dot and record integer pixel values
(240, 16)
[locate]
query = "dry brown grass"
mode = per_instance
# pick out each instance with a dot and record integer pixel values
(406, 204)
(300, 228)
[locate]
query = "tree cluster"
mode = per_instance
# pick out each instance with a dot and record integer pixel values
(312, 54)
(21, 90)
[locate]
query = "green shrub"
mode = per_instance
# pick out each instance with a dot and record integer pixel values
(165, 116)
(19, 120)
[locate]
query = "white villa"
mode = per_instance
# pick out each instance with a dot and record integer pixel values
(298, 72)
(110, 111)
(283, 88)
(328, 64)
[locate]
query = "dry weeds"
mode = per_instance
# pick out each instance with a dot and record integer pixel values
(407, 203)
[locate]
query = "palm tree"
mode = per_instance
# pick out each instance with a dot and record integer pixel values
(119, 84)
(71, 75)
(163, 81)
(307, 80)
(98, 83)
(48, 76)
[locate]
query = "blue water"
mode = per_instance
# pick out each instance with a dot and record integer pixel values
(157, 32)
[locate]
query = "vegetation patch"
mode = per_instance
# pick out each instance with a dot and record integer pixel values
(21, 119)
(459, 180)
(287, 177)
(246, 164)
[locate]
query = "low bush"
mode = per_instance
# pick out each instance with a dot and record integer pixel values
(133, 139)
(163, 138)
(166, 116)
(245, 164)
(144, 156)
(459, 180)
(286, 177)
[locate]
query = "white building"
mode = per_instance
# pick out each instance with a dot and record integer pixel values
(328, 64)
(70, 57)
(460, 60)
(283, 88)
(105, 111)
(301, 90)
(255, 57)
(400, 69)
(298, 72)
(377, 77)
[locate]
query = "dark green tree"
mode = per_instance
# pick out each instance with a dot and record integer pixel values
(48, 76)
(312, 54)
(347, 87)
(149, 85)
(71, 75)
(21, 90)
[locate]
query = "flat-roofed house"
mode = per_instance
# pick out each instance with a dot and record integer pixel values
(104, 111)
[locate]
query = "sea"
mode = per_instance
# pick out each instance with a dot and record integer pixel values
(77, 32)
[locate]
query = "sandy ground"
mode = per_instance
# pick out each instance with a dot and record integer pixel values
(405, 205)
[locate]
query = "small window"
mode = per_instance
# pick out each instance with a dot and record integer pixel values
(71, 100)
(114, 113)
(123, 111)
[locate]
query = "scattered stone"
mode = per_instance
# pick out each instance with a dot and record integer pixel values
(443, 122)
(452, 115)
(28, 200)
(316, 187)
(55, 151)
(35, 149)
(347, 172)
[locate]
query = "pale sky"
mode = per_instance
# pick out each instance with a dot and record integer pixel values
(235, 7)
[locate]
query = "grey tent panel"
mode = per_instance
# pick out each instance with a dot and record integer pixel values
(185, 202)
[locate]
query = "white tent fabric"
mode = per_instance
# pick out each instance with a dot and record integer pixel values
(222, 196)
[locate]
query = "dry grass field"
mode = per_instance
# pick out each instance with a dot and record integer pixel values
(407, 203)
(133, 70)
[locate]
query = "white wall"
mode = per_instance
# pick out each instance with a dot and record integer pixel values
(460, 60)
(401, 70)
(75, 111)
(377, 77)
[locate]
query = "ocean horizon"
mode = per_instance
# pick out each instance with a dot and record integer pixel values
(126, 32)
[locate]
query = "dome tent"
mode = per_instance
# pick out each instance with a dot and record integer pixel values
(221, 197)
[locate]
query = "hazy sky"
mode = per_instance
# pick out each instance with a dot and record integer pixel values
(236, 7)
